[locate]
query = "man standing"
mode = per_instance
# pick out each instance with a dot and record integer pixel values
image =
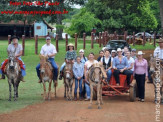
(48, 50)
(159, 50)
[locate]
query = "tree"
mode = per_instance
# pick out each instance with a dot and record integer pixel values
(82, 22)
(161, 13)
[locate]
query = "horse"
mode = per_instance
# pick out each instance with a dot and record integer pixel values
(13, 73)
(152, 64)
(68, 80)
(46, 75)
(95, 75)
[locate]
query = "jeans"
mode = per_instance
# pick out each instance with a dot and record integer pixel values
(76, 85)
(88, 90)
(109, 73)
(140, 80)
(55, 69)
(22, 70)
(63, 65)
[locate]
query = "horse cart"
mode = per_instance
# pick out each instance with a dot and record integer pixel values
(112, 89)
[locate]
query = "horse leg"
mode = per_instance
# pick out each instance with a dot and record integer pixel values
(65, 89)
(49, 93)
(9, 82)
(71, 83)
(44, 91)
(98, 96)
(68, 87)
(161, 90)
(101, 101)
(90, 104)
(15, 92)
(55, 88)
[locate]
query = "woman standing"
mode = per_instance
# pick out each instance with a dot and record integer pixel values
(107, 63)
(87, 65)
(83, 60)
(141, 74)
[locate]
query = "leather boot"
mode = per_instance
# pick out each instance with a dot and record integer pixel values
(3, 76)
(75, 97)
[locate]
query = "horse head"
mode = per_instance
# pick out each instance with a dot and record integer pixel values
(68, 71)
(12, 61)
(43, 61)
(152, 63)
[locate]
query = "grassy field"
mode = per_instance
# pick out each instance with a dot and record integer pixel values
(30, 91)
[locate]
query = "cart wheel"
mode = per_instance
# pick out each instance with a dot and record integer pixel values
(94, 95)
(132, 94)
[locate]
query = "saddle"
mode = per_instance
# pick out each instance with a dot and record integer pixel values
(49, 64)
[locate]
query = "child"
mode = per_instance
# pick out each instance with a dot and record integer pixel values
(78, 70)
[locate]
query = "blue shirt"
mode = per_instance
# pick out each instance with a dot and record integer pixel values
(84, 60)
(120, 65)
(78, 70)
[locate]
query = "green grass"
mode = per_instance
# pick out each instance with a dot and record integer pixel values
(30, 91)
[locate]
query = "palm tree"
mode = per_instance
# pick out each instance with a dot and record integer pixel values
(161, 14)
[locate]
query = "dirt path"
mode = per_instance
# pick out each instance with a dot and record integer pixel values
(115, 109)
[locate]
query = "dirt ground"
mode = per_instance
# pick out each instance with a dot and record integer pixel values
(114, 109)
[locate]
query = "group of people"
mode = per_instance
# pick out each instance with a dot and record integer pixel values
(121, 61)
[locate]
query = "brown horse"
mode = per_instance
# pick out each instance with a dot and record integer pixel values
(153, 68)
(68, 80)
(46, 75)
(95, 75)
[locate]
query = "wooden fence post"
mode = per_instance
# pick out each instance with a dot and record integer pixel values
(133, 38)
(9, 37)
(115, 35)
(66, 41)
(144, 39)
(92, 39)
(56, 41)
(76, 41)
(36, 44)
(103, 38)
(99, 39)
(154, 43)
(130, 39)
(23, 43)
(150, 39)
(84, 36)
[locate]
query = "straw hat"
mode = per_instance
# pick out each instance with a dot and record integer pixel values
(70, 45)
(160, 40)
(119, 50)
(140, 53)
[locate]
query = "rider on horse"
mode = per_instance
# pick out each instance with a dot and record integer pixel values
(16, 48)
(48, 50)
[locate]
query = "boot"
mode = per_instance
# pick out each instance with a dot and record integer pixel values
(80, 96)
(75, 97)
(22, 79)
(61, 75)
(3, 76)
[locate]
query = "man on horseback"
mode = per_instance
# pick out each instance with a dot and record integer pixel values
(159, 50)
(16, 48)
(48, 50)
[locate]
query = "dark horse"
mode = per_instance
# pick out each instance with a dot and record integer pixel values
(13, 73)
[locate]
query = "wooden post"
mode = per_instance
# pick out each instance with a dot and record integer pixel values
(23, 43)
(76, 41)
(103, 38)
(130, 39)
(9, 37)
(92, 38)
(154, 43)
(56, 41)
(144, 39)
(115, 35)
(84, 36)
(150, 39)
(99, 39)
(133, 38)
(30, 31)
(66, 41)
(125, 35)
(36, 44)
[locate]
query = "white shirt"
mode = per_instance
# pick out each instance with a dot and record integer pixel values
(88, 64)
(130, 61)
(11, 48)
(159, 51)
(48, 50)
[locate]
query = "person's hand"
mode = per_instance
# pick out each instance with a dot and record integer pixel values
(73, 61)
(146, 78)
(121, 70)
(106, 70)
(115, 68)
(66, 60)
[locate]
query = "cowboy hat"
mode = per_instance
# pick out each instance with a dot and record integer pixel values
(70, 45)
(14, 37)
(160, 40)
(81, 51)
(48, 38)
(119, 50)
(140, 53)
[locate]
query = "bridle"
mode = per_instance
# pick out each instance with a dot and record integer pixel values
(92, 73)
